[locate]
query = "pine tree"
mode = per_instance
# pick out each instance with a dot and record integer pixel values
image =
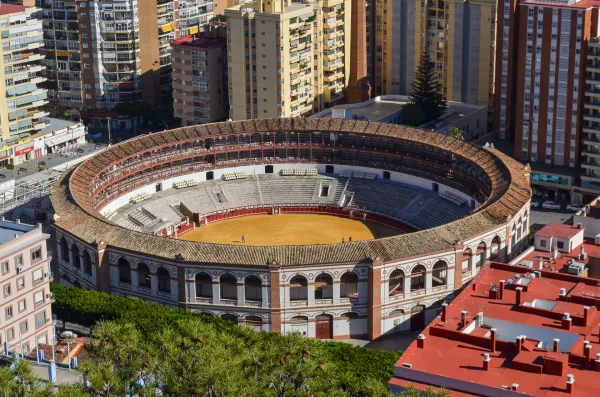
(427, 90)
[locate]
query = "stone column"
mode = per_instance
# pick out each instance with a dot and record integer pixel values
(406, 286)
(428, 282)
(265, 296)
(336, 292)
(134, 279)
(458, 264)
(81, 261)
(311, 294)
(174, 288)
(191, 291)
(275, 302)
(508, 249)
(216, 291)
(70, 257)
(241, 294)
(153, 284)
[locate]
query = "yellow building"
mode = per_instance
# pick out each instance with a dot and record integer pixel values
(287, 58)
(459, 35)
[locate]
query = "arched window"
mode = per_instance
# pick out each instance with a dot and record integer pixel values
(298, 288)
(253, 322)
(349, 315)
(203, 286)
(164, 280)
(396, 284)
(64, 250)
(228, 287)
(253, 289)
(495, 248)
(87, 263)
(323, 286)
(75, 255)
(396, 313)
(417, 278)
(229, 317)
(481, 252)
(467, 260)
(440, 274)
(349, 285)
(144, 278)
(124, 271)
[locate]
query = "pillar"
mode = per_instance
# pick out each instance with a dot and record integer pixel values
(428, 282)
(458, 263)
(101, 269)
(241, 294)
(374, 312)
(134, 279)
(508, 244)
(153, 284)
(191, 291)
(311, 294)
(216, 292)
(174, 288)
(265, 296)
(81, 261)
(274, 268)
(70, 257)
(406, 287)
(336, 292)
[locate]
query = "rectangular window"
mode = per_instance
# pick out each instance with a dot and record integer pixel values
(19, 260)
(7, 290)
(560, 244)
(36, 254)
(22, 305)
(543, 243)
(20, 283)
(5, 268)
(40, 319)
(9, 312)
(38, 297)
(23, 327)
(38, 276)
(10, 334)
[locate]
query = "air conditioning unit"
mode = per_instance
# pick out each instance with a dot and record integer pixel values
(20, 269)
(576, 267)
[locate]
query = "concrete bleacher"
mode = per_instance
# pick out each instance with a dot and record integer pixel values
(419, 207)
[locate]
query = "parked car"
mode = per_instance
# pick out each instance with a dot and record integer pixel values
(550, 205)
(574, 207)
(535, 204)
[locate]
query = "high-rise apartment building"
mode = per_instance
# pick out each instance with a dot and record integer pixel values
(20, 69)
(287, 58)
(460, 37)
(200, 76)
(542, 80)
(101, 53)
(590, 160)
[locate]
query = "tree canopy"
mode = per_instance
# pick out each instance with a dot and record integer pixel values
(456, 133)
(426, 101)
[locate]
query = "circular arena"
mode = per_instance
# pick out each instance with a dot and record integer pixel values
(329, 227)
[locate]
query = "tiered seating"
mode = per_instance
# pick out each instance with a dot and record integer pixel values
(299, 172)
(230, 176)
(184, 184)
(345, 174)
(454, 198)
(138, 198)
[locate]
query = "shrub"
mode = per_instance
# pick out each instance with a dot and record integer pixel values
(10, 166)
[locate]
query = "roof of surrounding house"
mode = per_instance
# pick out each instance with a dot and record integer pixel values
(453, 351)
(559, 230)
(511, 192)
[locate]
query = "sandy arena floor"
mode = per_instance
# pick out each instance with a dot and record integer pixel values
(288, 229)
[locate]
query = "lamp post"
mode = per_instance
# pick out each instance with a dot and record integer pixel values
(108, 122)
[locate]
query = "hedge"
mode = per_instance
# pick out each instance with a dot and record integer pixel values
(86, 308)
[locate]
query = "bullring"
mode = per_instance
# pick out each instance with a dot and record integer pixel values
(353, 289)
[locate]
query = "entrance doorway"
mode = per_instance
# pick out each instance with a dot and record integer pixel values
(324, 326)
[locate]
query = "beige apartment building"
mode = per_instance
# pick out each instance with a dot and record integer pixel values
(287, 58)
(25, 307)
(20, 75)
(200, 76)
(460, 37)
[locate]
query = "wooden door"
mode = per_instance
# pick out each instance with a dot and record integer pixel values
(324, 327)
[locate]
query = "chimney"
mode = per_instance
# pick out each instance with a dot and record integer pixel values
(359, 89)
(580, 226)
(597, 363)
(493, 336)
(556, 342)
(501, 289)
(514, 387)
(562, 293)
(486, 362)
(493, 292)
(463, 317)
(570, 381)
(421, 341)
(586, 315)
(540, 264)
(566, 321)
(519, 343)
(444, 311)
(519, 291)
(587, 349)
(479, 319)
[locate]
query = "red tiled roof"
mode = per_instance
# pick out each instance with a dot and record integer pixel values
(452, 355)
(559, 230)
(561, 263)
(6, 9)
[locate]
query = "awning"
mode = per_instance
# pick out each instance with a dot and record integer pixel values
(168, 27)
(62, 138)
(193, 30)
